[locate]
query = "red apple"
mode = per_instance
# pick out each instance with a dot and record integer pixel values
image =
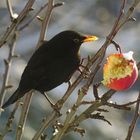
(120, 71)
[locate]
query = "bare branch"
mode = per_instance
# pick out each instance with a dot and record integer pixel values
(134, 120)
(9, 6)
(123, 106)
(99, 117)
(114, 29)
(9, 123)
(8, 62)
(16, 22)
(28, 22)
(23, 116)
(118, 106)
(47, 122)
(81, 131)
(45, 22)
(128, 15)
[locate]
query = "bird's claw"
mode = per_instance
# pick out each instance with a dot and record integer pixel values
(56, 109)
(86, 75)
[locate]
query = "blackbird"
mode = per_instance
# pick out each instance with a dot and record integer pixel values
(52, 63)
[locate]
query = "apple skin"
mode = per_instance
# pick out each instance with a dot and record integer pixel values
(120, 71)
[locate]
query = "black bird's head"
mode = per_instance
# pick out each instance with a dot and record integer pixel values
(71, 40)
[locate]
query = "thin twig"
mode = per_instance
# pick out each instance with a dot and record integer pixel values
(49, 120)
(99, 117)
(123, 106)
(45, 22)
(8, 127)
(134, 120)
(118, 106)
(23, 117)
(115, 27)
(129, 13)
(9, 6)
(28, 22)
(8, 62)
(16, 22)
(37, 13)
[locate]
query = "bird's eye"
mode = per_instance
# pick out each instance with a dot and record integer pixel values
(76, 40)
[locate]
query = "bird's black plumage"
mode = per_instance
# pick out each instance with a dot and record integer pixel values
(53, 63)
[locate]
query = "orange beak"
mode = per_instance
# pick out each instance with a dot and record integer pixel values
(90, 38)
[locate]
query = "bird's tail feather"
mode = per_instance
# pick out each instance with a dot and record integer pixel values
(16, 95)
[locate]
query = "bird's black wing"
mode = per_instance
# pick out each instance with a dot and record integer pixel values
(35, 67)
(40, 55)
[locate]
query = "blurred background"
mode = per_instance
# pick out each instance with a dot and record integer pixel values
(88, 17)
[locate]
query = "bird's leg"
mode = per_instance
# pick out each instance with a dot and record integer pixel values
(69, 84)
(82, 60)
(68, 81)
(49, 100)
